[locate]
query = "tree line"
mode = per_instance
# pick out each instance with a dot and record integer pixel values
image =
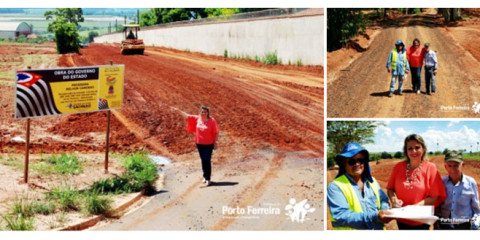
(65, 21)
(346, 23)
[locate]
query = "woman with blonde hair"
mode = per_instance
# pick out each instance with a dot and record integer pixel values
(415, 181)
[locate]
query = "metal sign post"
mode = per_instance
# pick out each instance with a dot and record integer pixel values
(107, 141)
(27, 150)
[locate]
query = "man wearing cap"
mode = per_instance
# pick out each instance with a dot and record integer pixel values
(354, 198)
(431, 66)
(461, 208)
(398, 65)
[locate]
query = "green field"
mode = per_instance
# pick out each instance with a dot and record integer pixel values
(99, 23)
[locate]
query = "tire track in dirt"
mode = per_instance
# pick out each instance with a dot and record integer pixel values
(258, 109)
(250, 196)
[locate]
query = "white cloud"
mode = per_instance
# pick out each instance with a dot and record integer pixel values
(401, 132)
(452, 123)
(435, 139)
(384, 131)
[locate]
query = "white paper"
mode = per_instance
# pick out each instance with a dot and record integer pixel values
(423, 214)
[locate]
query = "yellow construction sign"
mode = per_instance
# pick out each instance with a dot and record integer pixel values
(44, 92)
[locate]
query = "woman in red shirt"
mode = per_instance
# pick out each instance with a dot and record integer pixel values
(415, 56)
(415, 181)
(206, 133)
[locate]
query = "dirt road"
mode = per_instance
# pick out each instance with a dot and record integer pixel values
(361, 89)
(270, 147)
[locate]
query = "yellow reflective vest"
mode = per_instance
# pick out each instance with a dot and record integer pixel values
(394, 60)
(353, 203)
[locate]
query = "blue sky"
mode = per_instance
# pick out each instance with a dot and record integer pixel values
(454, 135)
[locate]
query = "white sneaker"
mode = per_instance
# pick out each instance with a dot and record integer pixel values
(208, 183)
(204, 181)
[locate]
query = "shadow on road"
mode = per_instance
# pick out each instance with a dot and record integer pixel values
(154, 193)
(221, 184)
(385, 94)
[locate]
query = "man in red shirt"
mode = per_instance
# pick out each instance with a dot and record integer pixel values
(415, 56)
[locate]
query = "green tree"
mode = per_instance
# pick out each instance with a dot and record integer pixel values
(64, 27)
(386, 155)
(147, 18)
(343, 24)
(167, 15)
(340, 133)
(446, 150)
(398, 155)
(92, 35)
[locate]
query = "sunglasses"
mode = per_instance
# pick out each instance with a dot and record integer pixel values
(352, 161)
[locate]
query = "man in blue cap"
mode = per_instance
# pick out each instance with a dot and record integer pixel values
(354, 198)
(398, 65)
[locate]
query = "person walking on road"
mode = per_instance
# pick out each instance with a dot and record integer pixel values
(398, 65)
(415, 55)
(431, 67)
(206, 134)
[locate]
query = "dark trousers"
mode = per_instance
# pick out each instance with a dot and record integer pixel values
(463, 226)
(403, 226)
(416, 78)
(430, 79)
(205, 152)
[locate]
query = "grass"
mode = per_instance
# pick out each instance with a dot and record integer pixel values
(299, 63)
(140, 173)
(26, 208)
(271, 59)
(14, 162)
(18, 223)
(472, 156)
(63, 164)
(67, 197)
(97, 204)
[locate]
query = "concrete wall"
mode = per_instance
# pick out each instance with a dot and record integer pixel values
(293, 38)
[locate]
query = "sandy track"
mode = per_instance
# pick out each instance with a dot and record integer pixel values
(361, 89)
(270, 146)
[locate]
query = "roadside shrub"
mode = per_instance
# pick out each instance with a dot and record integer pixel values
(96, 204)
(22, 208)
(299, 63)
(271, 59)
(141, 170)
(225, 53)
(67, 197)
(117, 184)
(45, 208)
